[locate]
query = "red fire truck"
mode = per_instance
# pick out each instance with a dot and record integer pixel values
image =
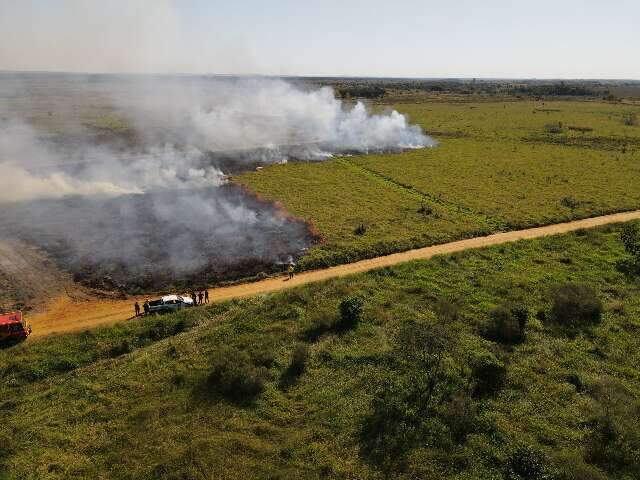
(13, 328)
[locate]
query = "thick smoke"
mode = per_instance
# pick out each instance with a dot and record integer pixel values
(145, 204)
(273, 115)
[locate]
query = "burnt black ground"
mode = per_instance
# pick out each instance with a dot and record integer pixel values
(162, 239)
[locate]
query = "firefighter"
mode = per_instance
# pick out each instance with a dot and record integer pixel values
(137, 309)
(291, 270)
(146, 307)
(206, 296)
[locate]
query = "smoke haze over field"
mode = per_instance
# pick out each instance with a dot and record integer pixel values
(173, 132)
(137, 185)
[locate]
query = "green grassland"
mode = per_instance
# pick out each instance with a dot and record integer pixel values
(144, 399)
(498, 166)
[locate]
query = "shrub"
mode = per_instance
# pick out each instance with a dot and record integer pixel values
(351, 309)
(508, 323)
(120, 349)
(425, 210)
(415, 404)
(299, 360)
(575, 305)
(614, 442)
(234, 376)
(360, 230)
(571, 466)
(460, 417)
(446, 310)
(392, 428)
(630, 237)
(488, 376)
(527, 464)
(569, 202)
(320, 325)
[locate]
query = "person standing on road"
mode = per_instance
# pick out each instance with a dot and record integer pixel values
(200, 298)
(194, 298)
(206, 296)
(137, 309)
(291, 270)
(146, 307)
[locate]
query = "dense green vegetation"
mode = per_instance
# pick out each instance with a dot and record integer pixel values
(498, 166)
(514, 362)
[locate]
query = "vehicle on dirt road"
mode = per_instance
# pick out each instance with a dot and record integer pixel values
(13, 328)
(169, 303)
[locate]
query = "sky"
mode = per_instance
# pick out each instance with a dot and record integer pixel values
(399, 38)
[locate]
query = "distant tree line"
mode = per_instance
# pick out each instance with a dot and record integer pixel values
(557, 89)
(362, 91)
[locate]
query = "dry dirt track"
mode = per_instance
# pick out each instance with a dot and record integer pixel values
(66, 315)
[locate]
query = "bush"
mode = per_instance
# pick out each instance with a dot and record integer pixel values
(488, 376)
(460, 417)
(527, 464)
(299, 360)
(425, 210)
(360, 230)
(571, 466)
(570, 202)
(351, 309)
(416, 404)
(508, 323)
(614, 441)
(234, 376)
(630, 237)
(120, 349)
(446, 311)
(262, 353)
(575, 305)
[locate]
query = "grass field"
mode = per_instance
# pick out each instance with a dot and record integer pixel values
(498, 166)
(141, 400)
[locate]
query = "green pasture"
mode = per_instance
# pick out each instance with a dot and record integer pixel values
(150, 399)
(498, 166)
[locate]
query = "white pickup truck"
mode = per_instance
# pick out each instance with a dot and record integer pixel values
(169, 303)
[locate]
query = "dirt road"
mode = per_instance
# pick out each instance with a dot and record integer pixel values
(66, 315)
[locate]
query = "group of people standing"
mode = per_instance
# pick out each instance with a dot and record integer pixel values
(136, 307)
(200, 298)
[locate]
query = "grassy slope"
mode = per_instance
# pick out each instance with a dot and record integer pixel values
(68, 408)
(495, 168)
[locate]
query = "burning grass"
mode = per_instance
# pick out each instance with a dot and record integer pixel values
(161, 240)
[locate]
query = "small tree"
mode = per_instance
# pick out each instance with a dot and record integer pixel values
(527, 464)
(508, 323)
(489, 375)
(235, 377)
(351, 309)
(630, 237)
(407, 410)
(299, 360)
(575, 305)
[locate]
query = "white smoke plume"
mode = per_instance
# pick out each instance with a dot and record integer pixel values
(19, 185)
(222, 115)
(147, 205)
(185, 124)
